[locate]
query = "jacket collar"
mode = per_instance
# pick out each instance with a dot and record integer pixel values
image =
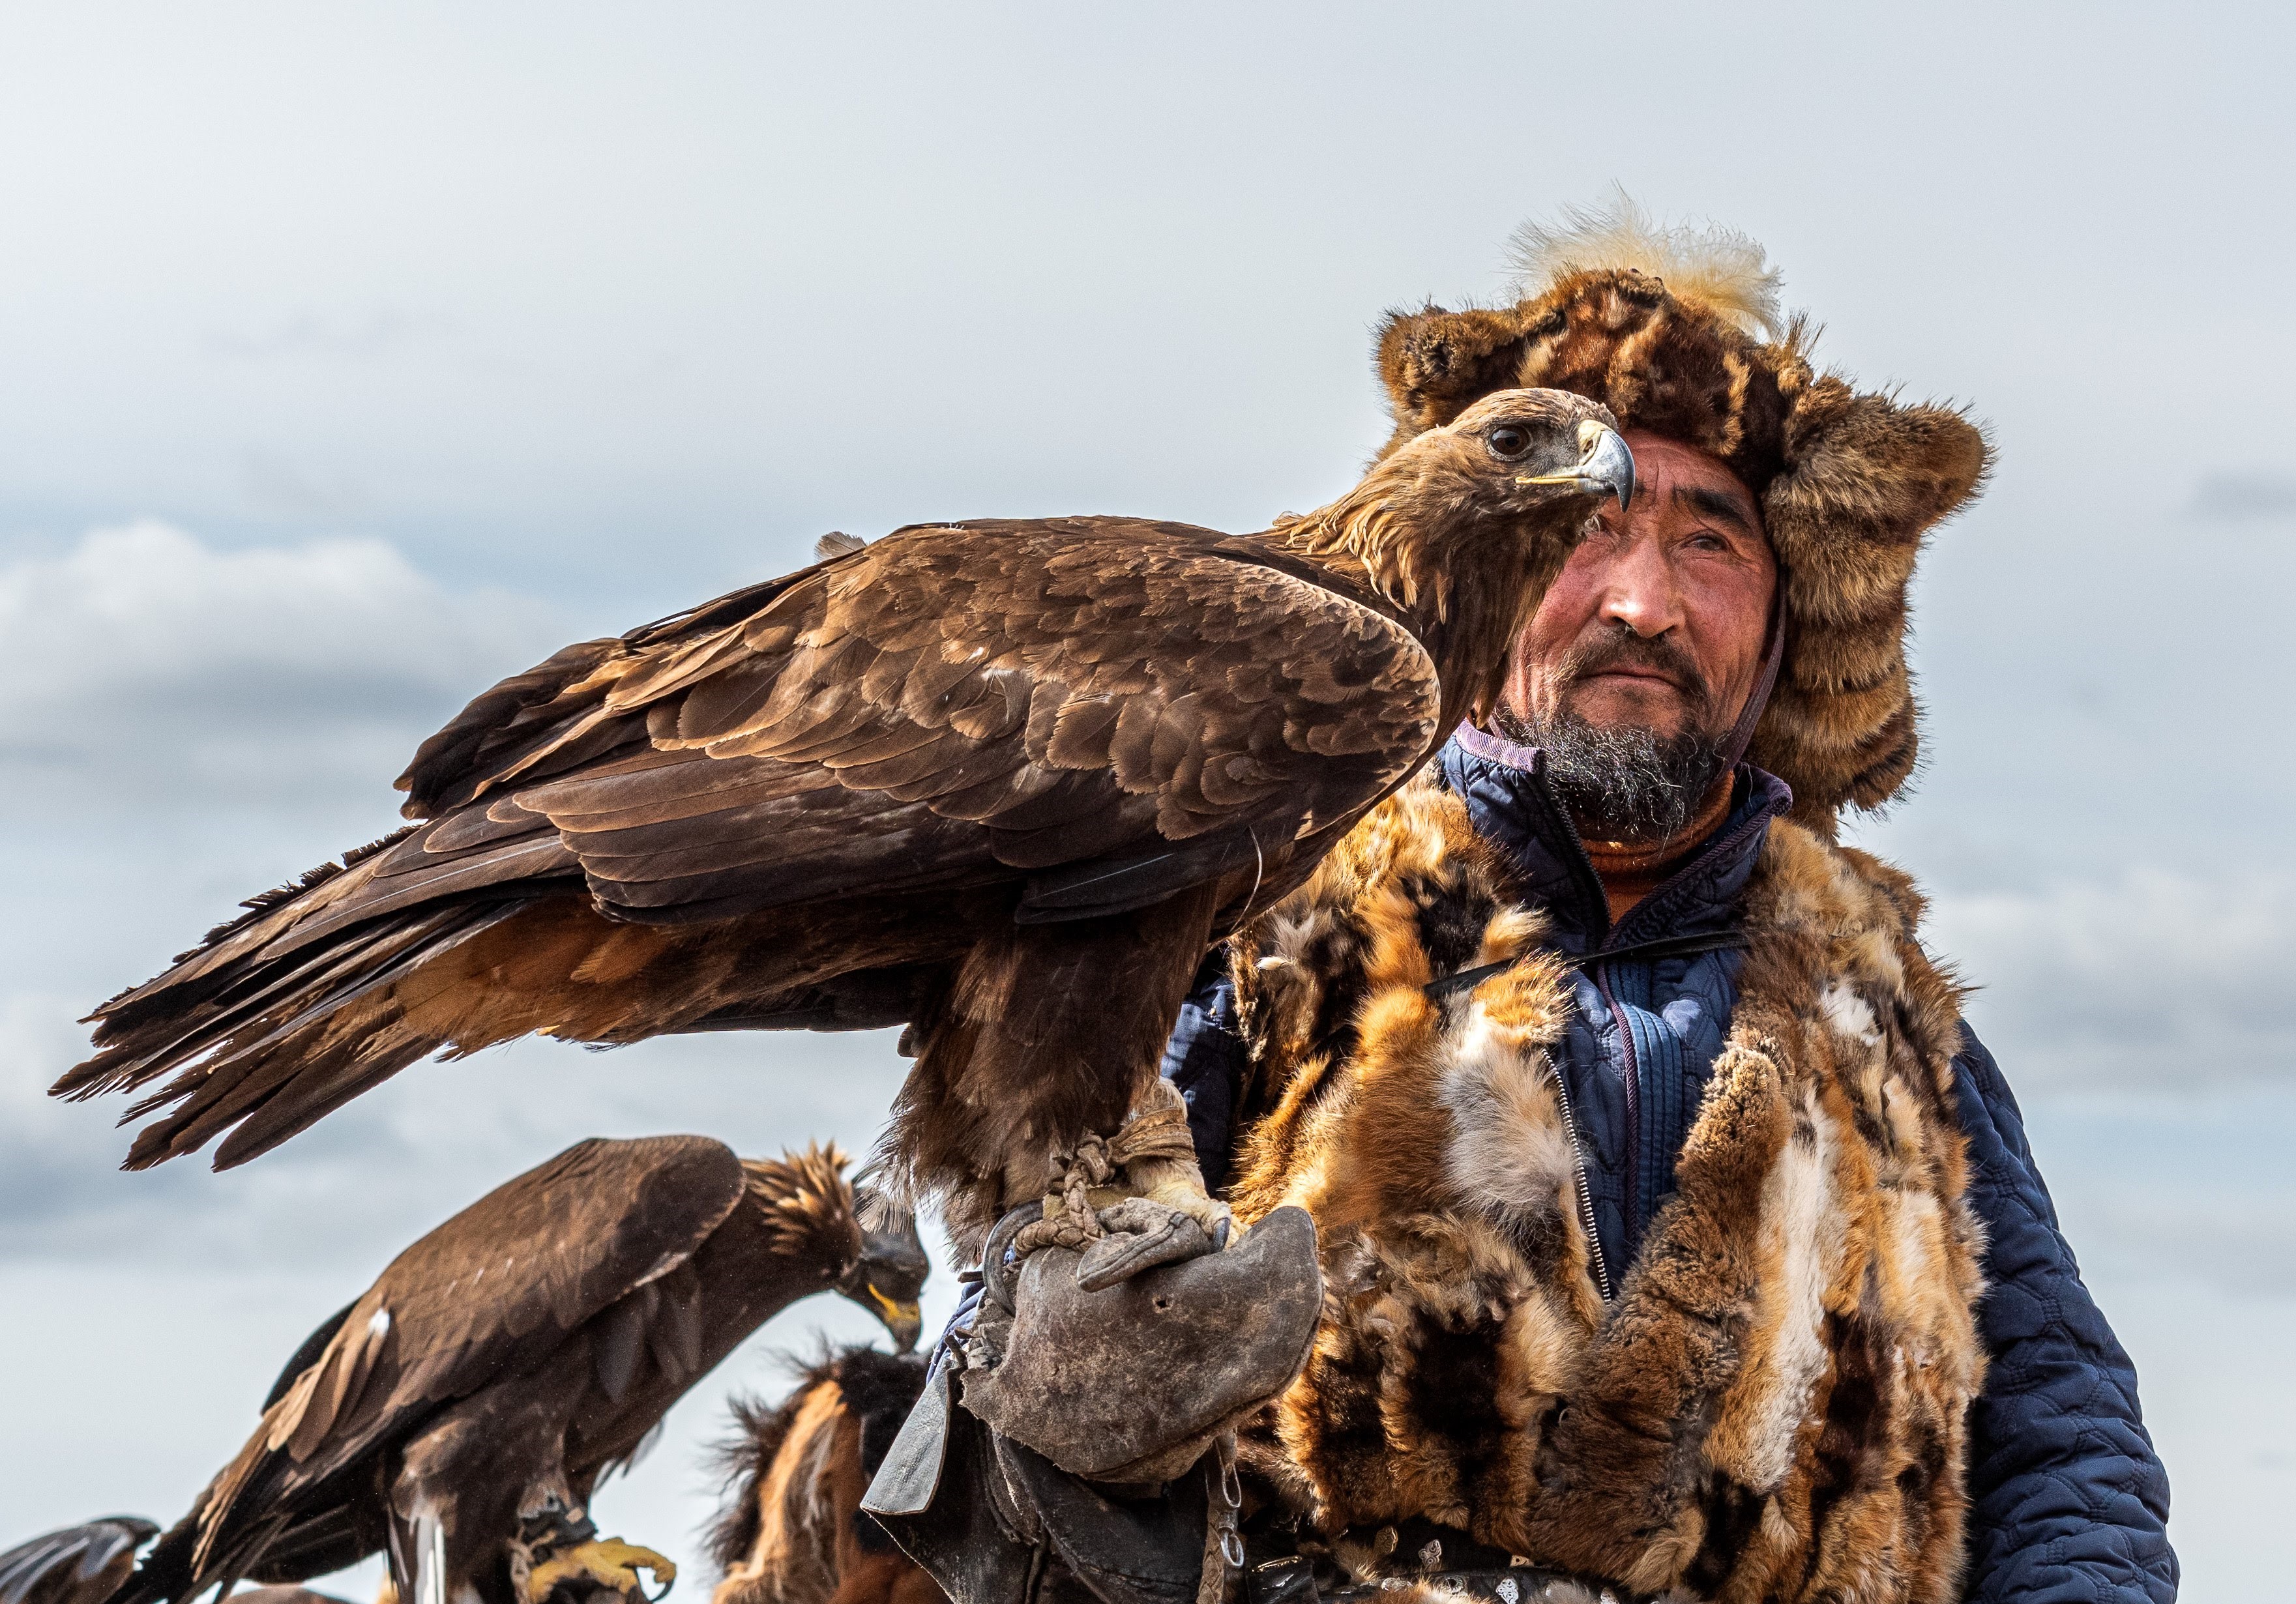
(1505, 787)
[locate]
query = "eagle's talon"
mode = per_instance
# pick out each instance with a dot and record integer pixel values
(1188, 1195)
(608, 1562)
(1221, 1225)
(1138, 1234)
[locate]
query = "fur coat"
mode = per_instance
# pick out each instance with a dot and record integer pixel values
(1772, 1406)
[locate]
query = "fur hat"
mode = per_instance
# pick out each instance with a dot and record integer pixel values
(1677, 331)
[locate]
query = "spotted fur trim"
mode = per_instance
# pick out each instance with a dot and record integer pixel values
(1773, 1407)
(1850, 483)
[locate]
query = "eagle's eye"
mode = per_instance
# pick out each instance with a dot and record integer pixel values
(1508, 441)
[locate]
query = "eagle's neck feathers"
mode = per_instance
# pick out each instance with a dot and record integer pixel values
(1464, 588)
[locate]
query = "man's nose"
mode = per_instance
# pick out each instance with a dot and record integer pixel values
(1638, 590)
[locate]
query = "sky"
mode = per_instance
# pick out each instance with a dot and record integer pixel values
(356, 357)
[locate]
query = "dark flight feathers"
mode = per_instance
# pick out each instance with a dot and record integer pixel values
(489, 1294)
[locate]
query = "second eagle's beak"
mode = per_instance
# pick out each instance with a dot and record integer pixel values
(904, 1321)
(1605, 466)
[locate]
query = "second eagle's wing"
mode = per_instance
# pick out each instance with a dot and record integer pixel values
(79, 1565)
(486, 1297)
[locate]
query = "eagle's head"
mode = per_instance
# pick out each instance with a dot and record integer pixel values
(1464, 527)
(858, 1240)
(1526, 452)
(1514, 477)
(890, 1274)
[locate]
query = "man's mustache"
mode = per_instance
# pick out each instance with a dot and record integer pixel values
(1622, 649)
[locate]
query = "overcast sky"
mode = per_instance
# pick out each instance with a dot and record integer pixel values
(350, 359)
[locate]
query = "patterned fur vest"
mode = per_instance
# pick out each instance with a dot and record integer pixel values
(1772, 1406)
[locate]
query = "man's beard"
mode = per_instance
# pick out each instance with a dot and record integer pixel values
(1626, 782)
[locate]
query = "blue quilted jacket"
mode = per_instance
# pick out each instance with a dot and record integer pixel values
(2068, 1501)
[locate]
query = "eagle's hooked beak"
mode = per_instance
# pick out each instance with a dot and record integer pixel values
(904, 1321)
(1605, 466)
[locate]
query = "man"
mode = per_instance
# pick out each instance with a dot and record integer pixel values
(1749, 605)
(1676, 1238)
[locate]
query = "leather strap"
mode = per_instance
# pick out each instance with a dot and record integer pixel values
(1668, 946)
(1773, 655)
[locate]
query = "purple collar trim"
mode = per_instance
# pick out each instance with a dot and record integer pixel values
(1498, 749)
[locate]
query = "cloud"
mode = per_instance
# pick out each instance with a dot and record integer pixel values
(184, 726)
(147, 664)
(2174, 1185)
(60, 1192)
(379, 332)
(2144, 978)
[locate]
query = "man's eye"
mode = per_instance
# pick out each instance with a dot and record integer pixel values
(1508, 441)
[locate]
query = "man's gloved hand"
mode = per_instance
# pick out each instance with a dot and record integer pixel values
(1113, 1336)
(1131, 1380)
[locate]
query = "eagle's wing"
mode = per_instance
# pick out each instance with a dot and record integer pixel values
(950, 706)
(1092, 712)
(497, 1287)
(307, 1355)
(79, 1565)
(487, 1296)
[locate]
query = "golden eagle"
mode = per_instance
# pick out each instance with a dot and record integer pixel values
(459, 1413)
(1003, 781)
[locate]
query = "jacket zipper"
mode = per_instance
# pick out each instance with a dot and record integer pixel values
(1579, 1173)
(1596, 968)
(1634, 1077)
(1590, 884)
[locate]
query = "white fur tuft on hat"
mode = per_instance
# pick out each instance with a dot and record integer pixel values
(1718, 267)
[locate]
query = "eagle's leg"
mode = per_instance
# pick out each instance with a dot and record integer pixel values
(1174, 1180)
(1142, 1180)
(483, 1502)
(1048, 1035)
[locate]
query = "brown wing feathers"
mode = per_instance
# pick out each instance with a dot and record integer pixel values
(831, 777)
(605, 1228)
(79, 1565)
(496, 1287)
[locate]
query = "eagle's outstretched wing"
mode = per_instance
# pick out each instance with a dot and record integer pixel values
(782, 806)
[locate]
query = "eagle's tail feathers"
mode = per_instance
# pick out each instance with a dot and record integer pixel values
(135, 1051)
(280, 1047)
(263, 997)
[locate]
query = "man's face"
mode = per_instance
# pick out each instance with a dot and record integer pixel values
(1659, 618)
(1649, 643)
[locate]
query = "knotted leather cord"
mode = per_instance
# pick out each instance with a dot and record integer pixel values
(1070, 1220)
